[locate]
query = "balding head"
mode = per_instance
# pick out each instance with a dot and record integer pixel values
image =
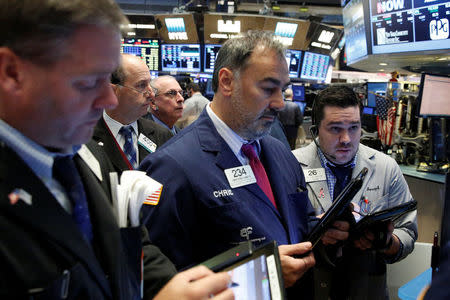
(131, 84)
(168, 101)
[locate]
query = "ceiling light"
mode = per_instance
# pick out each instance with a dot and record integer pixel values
(383, 64)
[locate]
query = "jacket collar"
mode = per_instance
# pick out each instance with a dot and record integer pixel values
(46, 216)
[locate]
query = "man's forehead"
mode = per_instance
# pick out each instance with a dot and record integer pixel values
(341, 115)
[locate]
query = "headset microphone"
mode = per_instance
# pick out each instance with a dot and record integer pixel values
(314, 136)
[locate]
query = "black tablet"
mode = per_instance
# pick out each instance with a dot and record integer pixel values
(391, 214)
(255, 273)
(337, 208)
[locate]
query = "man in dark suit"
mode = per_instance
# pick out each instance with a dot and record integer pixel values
(291, 117)
(216, 193)
(131, 85)
(59, 238)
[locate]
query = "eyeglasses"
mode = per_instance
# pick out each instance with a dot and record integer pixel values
(171, 93)
(145, 93)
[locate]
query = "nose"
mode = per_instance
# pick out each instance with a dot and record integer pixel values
(107, 98)
(277, 101)
(180, 97)
(345, 137)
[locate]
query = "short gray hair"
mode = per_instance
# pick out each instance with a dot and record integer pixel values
(235, 53)
(37, 30)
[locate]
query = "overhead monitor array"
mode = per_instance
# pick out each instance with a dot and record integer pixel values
(395, 26)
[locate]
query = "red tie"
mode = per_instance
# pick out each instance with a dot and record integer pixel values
(259, 171)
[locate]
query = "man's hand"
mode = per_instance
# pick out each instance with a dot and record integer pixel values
(365, 242)
(339, 232)
(197, 283)
(295, 261)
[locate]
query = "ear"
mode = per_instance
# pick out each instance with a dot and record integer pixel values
(153, 105)
(11, 71)
(226, 81)
(116, 89)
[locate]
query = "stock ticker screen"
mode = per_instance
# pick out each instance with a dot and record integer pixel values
(210, 55)
(180, 57)
(409, 25)
(147, 49)
(315, 66)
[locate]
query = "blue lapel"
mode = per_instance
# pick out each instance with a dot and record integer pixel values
(211, 141)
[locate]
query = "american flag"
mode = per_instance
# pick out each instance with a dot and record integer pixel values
(385, 119)
(153, 198)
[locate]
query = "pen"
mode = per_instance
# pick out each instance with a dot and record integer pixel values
(435, 255)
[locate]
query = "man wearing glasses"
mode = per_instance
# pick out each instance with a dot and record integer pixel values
(125, 136)
(167, 105)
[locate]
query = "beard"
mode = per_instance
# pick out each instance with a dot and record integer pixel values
(246, 124)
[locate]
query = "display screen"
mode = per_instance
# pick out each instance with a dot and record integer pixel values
(379, 88)
(433, 96)
(293, 59)
(250, 280)
(409, 25)
(147, 49)
(298, 92)
(210, 55)
(180, 57)
(354, 31)
(315, 66)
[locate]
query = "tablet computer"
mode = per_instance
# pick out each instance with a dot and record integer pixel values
(337, 209)
(255, 273)
(389, 214)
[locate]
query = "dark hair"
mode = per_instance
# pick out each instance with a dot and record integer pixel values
(37, 30)
(192, 85)
(235, 53)
(340, 96)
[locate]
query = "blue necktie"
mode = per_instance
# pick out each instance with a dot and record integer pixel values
(66, 173)
(342, 174)
(128, 147)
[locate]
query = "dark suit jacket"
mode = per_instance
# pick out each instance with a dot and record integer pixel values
(158, 269)
(204, 214)
(155, 132)
(42, 250)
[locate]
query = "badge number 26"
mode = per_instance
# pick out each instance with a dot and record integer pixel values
(312, 172)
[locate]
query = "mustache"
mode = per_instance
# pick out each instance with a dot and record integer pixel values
(270, 113)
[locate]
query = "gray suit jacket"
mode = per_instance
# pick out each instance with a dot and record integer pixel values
(384, 187)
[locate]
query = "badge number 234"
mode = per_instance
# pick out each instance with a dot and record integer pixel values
(240, 176)
(238, 172)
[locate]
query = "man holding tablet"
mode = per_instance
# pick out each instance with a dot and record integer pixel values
(227, 182)
(329, 164)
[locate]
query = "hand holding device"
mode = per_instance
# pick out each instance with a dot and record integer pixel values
(295, 259)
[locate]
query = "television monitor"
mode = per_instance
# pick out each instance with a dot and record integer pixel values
(298, 92)
(373, 88)
(355, 31)
(314, 66)
(379, 88)
(293, 59)
(369, 110)
(147, 49)
(403, 26)
(210, 54)
(180, 57)
(302, 106)
(433, 95)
